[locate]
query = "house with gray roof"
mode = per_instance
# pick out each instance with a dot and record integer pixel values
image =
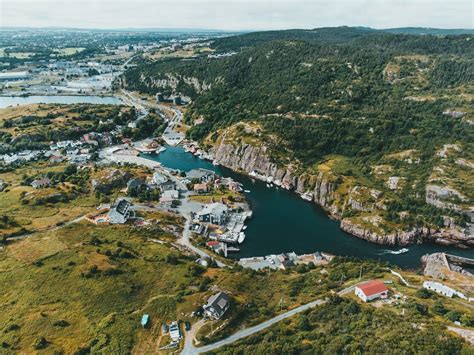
(203, 175)
(120, 212)
(217, 305)
(40, 183)
(215, 213)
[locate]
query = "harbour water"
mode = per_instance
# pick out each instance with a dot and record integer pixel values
(6, 101)
(283, 222)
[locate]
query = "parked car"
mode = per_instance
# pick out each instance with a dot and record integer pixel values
(187, 326)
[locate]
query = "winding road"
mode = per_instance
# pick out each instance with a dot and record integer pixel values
(189, 347)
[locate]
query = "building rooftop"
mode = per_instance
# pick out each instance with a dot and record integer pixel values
(215, 208)
(372, 287)
(219, 302)
(199, 173)
(122, 206)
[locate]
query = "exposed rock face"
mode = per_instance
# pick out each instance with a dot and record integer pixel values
(436, 196)
(247, 158)
(114, 178)
(454, 236)
(397, 238)
(172, 81)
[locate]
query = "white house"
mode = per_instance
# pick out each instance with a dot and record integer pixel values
(158, 179)
(120, 212)
(175, 332)
(169, 195)
(40, 183)
(442, 289)
(371, 290)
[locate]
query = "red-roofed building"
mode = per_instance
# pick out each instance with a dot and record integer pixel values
(371, 290)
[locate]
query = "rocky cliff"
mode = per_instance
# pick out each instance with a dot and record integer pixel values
(322, 189)
(247, 158)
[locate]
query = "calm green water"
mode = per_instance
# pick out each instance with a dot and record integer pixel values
(283, 222)
(6, 101)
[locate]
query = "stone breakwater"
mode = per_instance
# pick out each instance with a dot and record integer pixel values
(321, 189)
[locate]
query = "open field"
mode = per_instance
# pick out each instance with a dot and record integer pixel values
(22, 204)
(69, 51)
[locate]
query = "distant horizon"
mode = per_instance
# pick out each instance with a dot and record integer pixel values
(198, 29)
(236, 15)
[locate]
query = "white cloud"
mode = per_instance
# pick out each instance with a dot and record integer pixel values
(237, 14)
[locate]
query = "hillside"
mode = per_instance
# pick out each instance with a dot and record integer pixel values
(84, 289)
(382, 121)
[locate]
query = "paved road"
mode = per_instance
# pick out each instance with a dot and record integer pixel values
(189, 347)
(186, 242)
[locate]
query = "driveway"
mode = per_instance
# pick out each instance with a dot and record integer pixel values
(189, 347)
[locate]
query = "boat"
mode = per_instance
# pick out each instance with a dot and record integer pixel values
(247, 191)
(268, 185)
(395, 252)
(241, 238)
(401, 251)
(215, 163)
(244, 228)
(233, 249)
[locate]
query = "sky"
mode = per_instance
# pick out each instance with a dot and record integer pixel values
(236, 14)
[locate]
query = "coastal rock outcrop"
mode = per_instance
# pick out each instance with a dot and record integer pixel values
(321, 188)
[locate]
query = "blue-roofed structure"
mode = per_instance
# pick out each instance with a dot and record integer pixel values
(145, 320)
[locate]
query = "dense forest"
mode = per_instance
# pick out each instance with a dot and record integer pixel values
(316, 74)
(344, 327)
(354, 92)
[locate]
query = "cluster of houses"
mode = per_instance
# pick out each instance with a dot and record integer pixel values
(222, 225)
(193, 148)
(75, 151)
(285, 261)
(21, 157)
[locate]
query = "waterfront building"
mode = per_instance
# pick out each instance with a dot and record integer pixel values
(203, 175)
(215, 213)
